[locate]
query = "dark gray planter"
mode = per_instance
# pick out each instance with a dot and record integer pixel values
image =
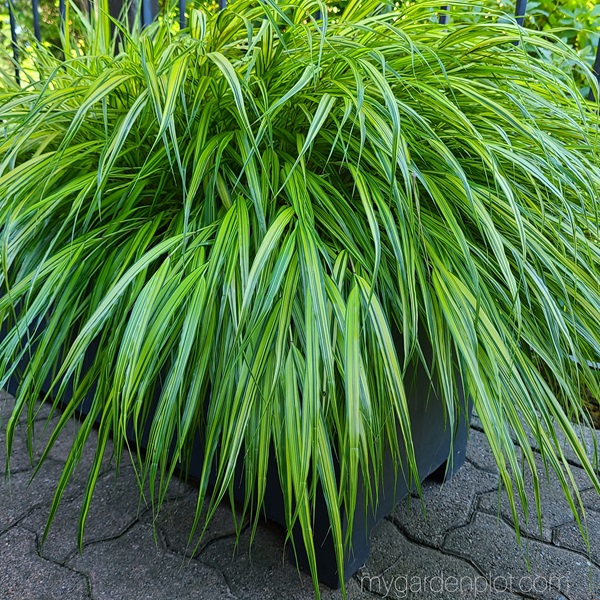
(435, 458)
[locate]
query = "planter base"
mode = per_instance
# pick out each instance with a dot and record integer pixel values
(439, 455)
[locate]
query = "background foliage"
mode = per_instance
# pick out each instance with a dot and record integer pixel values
(574, 22)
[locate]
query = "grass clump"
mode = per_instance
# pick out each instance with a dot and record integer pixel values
(233, 219)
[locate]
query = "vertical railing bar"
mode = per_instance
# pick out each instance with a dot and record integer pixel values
(13, 37)
(35, 8)
(520, 12)
(596, 69)
(222, 4)
(62, 11)
(149, 11)
(182, 14)
(444, 16)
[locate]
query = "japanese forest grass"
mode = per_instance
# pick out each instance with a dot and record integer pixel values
(240, 216)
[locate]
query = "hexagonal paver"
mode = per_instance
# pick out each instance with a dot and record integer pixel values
(20, 459)
(398, 568)
(262, 571)
(454, 544)
(444, 506)
(479, 452)
(591, 500)
(7, 403)
(41, 432)
(19, 495)
(492, 546)
(137, 565)
(569, 536)
(26, 576)
(587, 436)
(590, 438)
(116, 505)
(555, 508)
(353, 592)
(176, 518)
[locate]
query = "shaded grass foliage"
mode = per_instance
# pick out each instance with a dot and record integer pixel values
(239, 218)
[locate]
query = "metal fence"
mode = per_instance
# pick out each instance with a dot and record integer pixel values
(149, 11)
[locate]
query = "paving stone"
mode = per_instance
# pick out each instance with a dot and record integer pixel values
(555, 508)
(262, 571)
(177, 488)
(26, 576)
(123, 560)
(591, 500)
(174, 522)
(492, 546)
(20, 456)
(115, 506)
(569, 536)
(176, 518)
(62, 446)
(589, 437)
(42, 411)
(19, 459)
(7, 403)
(18, 496)
(353, 592)
(41, 432)
(399, 568)
(137, 566)
(479, 452)
(446, 506)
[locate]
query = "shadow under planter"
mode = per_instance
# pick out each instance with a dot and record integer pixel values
(439, 453)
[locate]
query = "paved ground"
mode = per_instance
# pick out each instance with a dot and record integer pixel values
(460, 544)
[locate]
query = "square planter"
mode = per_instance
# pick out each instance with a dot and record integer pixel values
(439, 453)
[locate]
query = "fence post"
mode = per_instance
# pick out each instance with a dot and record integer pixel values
(13, 38)
(222, 4)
